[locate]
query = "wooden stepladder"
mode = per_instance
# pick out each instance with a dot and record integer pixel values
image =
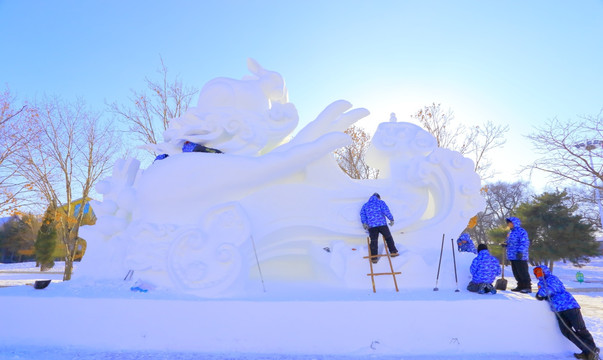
(372, 274)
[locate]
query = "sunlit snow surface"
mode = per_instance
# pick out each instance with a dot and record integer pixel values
(588, 294)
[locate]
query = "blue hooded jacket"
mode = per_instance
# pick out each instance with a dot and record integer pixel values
(468, 246)
(484, 268)
(517, 241)
(188, 146)
(550, 286)
(374, 212)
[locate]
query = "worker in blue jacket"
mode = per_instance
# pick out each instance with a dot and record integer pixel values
(465, 243)
(568, 313)
(484, 269)
(374, 215)
(518, 244)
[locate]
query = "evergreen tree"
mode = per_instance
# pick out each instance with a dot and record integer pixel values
(496, 237)
(555, 232)
(16, 238)
(47, 239)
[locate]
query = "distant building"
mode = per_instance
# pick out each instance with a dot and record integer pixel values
(59, 252)
(77, 204)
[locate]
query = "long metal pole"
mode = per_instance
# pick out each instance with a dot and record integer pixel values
(454, 258)
(597, 193)
(439, 263)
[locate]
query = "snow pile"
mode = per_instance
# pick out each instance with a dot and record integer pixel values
(423, 325)
(106, 320)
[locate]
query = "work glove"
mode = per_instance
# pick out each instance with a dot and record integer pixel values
(365, 226)
(538, 297)
(519, 256)
(503, 245)
(391, 223)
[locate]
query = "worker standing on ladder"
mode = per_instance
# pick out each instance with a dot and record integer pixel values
(374, 215)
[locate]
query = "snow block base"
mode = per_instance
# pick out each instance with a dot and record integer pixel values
(423, 323)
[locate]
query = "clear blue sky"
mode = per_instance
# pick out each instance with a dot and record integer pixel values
(513, 62)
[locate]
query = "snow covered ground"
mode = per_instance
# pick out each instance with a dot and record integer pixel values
(177, 331)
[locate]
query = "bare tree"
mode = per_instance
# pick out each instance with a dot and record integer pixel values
(584, 201)
(475, 142)
(571, 153)
(567, 148)
(488, 137)
(15, 132)
(73, 151)
(502, 199)
(351, 158)
(439, 123)
(148, 114)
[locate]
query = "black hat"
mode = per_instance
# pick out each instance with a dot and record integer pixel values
(481, 247)
(377, 195)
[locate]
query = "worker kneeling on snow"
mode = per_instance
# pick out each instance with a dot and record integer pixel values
(567, 310)
(484, 269)
(465, 243)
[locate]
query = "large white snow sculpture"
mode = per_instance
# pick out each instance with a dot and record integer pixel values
(238, 116)
(209, 224)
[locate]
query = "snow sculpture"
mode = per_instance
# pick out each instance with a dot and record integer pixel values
(211, 224)
(238, 116)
